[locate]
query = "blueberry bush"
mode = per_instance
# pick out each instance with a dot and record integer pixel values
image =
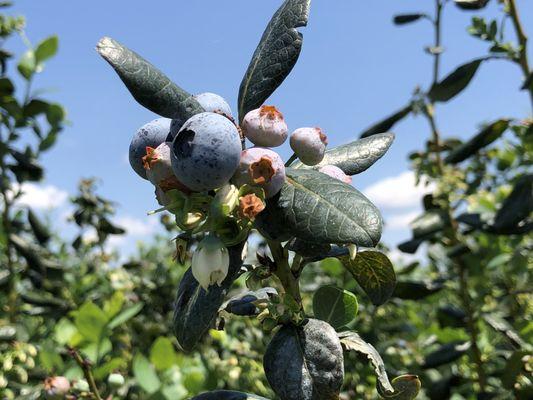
(219, 190)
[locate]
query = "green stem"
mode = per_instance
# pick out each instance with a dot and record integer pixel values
(522, 40)
(292, 159)
(87, 372)
(437, 44)
(283, 271)
(6, 226)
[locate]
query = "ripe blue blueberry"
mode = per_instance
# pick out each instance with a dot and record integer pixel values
(309, 144)
(206, 151)
(210, 102)
(263, 168)
(265, 127)
(151, 135)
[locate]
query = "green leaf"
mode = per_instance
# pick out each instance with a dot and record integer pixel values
(428, 223)
(6, 86)
(514, 367)
(195, 309)
(55, 114)
(94, 351)
(41, 232)
(406, 387)
(145, 374)
(227, 395)
(64, 330)
(46, 49)
(351, 341)
(388, 123)
(48, 141)
(90, 321)
(27, 65)
(471, 4)
(316, 207)
(336, 306)
(454, 83)
(125, 315)
(488, 135)
(373, 271)
(357, 156)
(113, 306)
(275, 55)
(499, 324)
(162, 354)
(149, 86)
(413, 290)
(445, 354)
(517, 206)
(403, 19)
(110, 366)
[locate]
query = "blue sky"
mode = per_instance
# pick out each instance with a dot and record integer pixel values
(355, 68)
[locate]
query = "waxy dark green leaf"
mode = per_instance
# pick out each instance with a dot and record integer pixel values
(149, 86)
(41, 232)
(373, 271)
(335, 306)
(316, 207)
(351, 341)
(195, 310)
(445, 354)
(488, 135)
(471, 4)
(387, 123)
(517, 206)
(275, 55)
(428, 223)
(227, 395)
(357, 156)
(305, 363)
(455, 82)
(402, 19)
(406, 387)
(413, 290)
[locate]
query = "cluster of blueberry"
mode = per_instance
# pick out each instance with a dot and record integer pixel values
(203, 176)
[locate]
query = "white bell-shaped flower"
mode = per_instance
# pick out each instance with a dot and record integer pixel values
(210, 262)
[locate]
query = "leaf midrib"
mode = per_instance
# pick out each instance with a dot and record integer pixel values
(316, 195)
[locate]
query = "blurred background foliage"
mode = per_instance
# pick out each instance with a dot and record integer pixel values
(460, 317)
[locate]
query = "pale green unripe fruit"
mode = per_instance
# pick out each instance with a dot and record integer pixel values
(115, 380)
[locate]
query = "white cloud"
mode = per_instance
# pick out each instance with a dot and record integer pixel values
(138, 227)
(42, 197)
(400, 259)
(400, 221)
(397, 191)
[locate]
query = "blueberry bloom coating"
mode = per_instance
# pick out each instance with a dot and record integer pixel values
(206, 152)
(212, 102)
(265, 127)
(152, 135)
(336, 172)
(263, 168)
(309, 144)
